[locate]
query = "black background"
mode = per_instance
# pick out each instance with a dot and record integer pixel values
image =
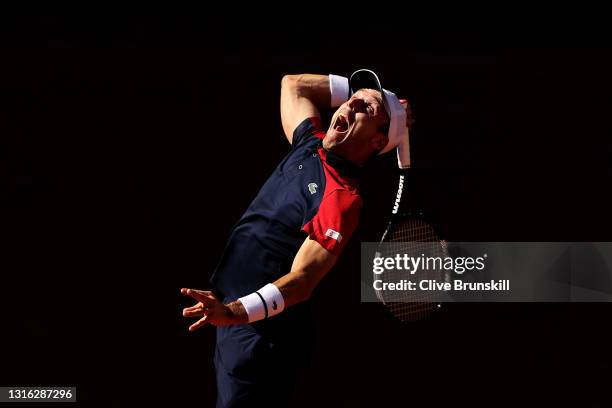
(129, 147)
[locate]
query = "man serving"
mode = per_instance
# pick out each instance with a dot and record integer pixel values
(292, 234)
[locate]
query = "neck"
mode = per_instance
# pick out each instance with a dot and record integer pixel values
(356, 158)
(343, 165)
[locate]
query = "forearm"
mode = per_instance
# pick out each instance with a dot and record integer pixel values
(313, 87)
(295, 287)
(310, 264)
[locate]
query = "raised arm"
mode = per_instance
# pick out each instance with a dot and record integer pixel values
(302, 96)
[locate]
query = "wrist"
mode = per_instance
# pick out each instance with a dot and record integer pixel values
(263, 303)
(238, 313)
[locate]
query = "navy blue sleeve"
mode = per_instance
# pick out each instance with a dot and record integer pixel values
(308, 128)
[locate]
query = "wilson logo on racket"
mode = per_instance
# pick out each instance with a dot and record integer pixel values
(333, 234)
(398, 197)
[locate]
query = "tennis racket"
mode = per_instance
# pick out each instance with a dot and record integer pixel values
(409, 233)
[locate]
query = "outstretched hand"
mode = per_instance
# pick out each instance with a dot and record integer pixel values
(211, 310)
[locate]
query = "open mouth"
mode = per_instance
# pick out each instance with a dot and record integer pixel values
(341, 124)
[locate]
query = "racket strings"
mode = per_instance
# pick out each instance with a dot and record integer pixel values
(417, 239)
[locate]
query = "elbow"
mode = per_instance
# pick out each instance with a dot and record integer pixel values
(294, 83)
(287, 80)
(290, 81)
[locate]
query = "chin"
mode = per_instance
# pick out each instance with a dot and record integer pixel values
(327, 144)
(329, 141)
(333, 139)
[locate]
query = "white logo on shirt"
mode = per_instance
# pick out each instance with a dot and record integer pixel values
(334, 234)
(312, 187)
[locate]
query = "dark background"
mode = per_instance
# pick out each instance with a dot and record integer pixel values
(129, 147)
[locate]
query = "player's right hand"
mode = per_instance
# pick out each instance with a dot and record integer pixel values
(210, 309)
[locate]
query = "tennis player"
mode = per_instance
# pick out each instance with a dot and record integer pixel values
(292, 234)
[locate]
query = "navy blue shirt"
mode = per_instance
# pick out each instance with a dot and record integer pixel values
(312, 193)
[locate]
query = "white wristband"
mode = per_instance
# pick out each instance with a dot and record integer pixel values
(339, 88)
(266, 302)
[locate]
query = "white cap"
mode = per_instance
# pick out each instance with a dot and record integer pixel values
(398, 132)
